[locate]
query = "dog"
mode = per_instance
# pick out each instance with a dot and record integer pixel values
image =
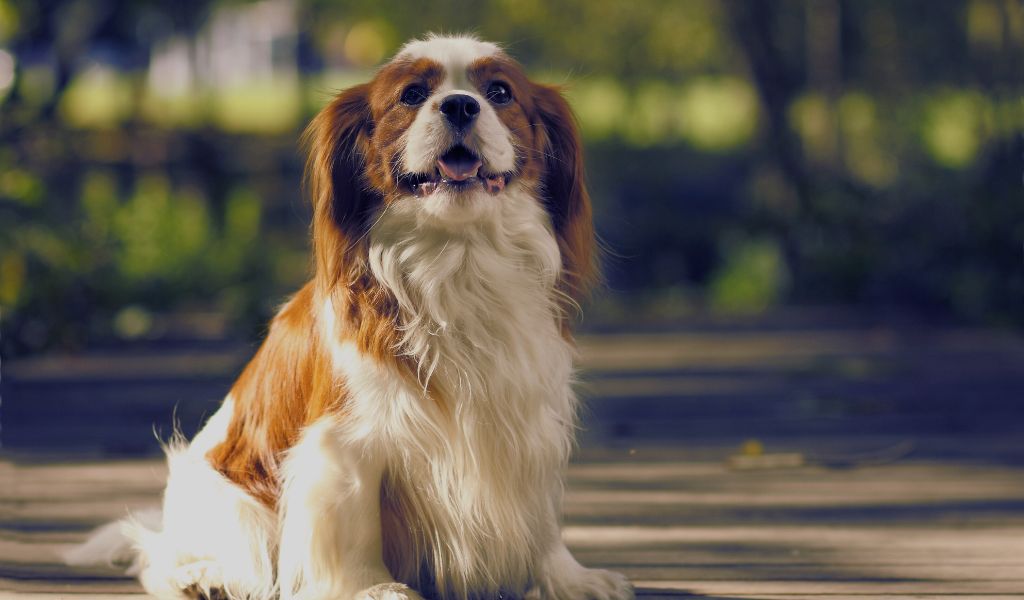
(404, 428)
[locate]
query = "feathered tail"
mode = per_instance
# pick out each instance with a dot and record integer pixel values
(117, 544)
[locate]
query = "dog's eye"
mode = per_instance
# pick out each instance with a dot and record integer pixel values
(498, 93)
(414, 95)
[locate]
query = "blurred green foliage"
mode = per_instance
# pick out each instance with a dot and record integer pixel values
(741, 154)
(752, 277)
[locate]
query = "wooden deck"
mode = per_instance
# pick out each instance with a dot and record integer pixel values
(715, 464)
(677, 527)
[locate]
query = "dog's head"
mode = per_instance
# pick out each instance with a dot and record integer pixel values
(450, 128)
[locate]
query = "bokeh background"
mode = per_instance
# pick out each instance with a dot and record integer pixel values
(743, 156)
(803, 376)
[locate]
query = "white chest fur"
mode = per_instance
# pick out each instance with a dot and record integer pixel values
(472, 481)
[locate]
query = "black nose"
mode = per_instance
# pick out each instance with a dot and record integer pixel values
(460, 110)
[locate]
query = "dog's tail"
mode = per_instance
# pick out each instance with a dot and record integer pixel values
(117, 544)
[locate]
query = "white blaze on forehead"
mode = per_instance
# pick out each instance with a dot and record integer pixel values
(454, 53)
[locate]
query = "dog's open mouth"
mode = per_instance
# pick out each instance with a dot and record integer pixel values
(458, 169)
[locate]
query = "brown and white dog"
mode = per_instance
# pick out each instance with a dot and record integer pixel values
(404, 428)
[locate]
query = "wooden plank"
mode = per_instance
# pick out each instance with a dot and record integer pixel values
(830, 589)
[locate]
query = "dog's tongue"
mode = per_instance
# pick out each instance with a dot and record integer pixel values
(458, 165)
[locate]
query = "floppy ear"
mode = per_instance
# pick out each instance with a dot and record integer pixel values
(565, 192)
(342, 202)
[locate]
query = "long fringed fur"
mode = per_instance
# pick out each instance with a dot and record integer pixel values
(482, 313)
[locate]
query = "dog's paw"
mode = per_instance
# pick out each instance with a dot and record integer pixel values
(583, 584)
(388, 591)
(195, 593)
(200, 580)
(606, 585)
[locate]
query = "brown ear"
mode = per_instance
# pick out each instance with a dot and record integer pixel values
(342, 202)
(565, 192)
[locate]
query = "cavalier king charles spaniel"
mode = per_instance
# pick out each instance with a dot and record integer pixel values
(404, 428)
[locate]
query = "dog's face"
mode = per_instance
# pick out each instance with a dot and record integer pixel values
(450, 122)
(449, 129)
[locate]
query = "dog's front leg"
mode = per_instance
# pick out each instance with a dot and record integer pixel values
(330, 542)
(560, 577)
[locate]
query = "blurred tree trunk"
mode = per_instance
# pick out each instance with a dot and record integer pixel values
(754, 25)
(824, 68)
